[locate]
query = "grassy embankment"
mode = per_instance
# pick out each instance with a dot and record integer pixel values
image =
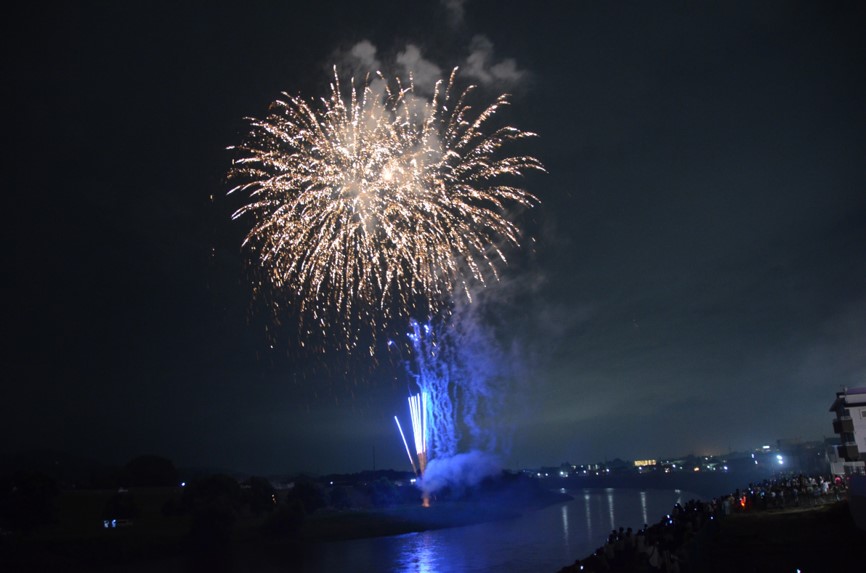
(807, 539)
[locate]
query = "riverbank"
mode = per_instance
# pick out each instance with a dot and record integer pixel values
(506, 503)
(75, 545)
(346, 525)
(809, 538)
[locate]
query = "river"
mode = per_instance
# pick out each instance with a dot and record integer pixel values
(539, 541)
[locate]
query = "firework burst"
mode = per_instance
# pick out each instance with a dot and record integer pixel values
(378, 204)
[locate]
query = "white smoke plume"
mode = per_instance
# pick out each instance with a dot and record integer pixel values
(359, 61)
(459, 472)
(362, 61)
(456, 11)
(425, 73)
(481, 65)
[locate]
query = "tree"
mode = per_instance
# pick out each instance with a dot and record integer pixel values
(308, 493)
(339, 497)
(259, 494)
(214, 502)
(382, 492)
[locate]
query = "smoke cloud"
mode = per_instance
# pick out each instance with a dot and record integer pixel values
(459, 472)
(456, 11)
(362, 60)
(482, 67)
(424, 73)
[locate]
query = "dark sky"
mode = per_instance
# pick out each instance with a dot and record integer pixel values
(696, 282)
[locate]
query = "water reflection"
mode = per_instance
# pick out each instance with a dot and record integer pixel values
(643, 507)
(419, 555)
(565, 534)
(588, 515)
(610, 491)
(542, 540)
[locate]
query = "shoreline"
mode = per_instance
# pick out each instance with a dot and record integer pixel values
(132, 546)
(766, 527)
(347, 525)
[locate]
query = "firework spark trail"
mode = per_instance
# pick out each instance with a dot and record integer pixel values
(467, 376)
(418, 407)
(456, 381)
(377, 205)
(405, 443)
(433, 376)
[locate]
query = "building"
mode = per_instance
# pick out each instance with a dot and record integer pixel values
(850, 425)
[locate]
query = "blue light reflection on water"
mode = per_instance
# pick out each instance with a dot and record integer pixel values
(538, 541)
(421, 554)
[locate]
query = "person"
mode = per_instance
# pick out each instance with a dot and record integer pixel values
(630, 543)
(653, 557)
(609, 552)
(640, 542)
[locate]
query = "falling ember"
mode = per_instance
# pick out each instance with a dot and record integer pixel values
(365, 206)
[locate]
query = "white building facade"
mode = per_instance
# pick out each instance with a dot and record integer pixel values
(850, 426)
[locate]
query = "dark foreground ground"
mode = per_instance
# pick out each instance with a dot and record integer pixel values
(810, 540)
(814, 539)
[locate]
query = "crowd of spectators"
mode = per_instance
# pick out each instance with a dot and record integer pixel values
(664, 546)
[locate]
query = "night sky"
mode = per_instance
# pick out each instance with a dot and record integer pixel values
(694, 279)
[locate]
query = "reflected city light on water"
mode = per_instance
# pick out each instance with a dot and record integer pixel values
(565, 524)
(643, 507)
(543, 539)
(586, 497)
(610, 504)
